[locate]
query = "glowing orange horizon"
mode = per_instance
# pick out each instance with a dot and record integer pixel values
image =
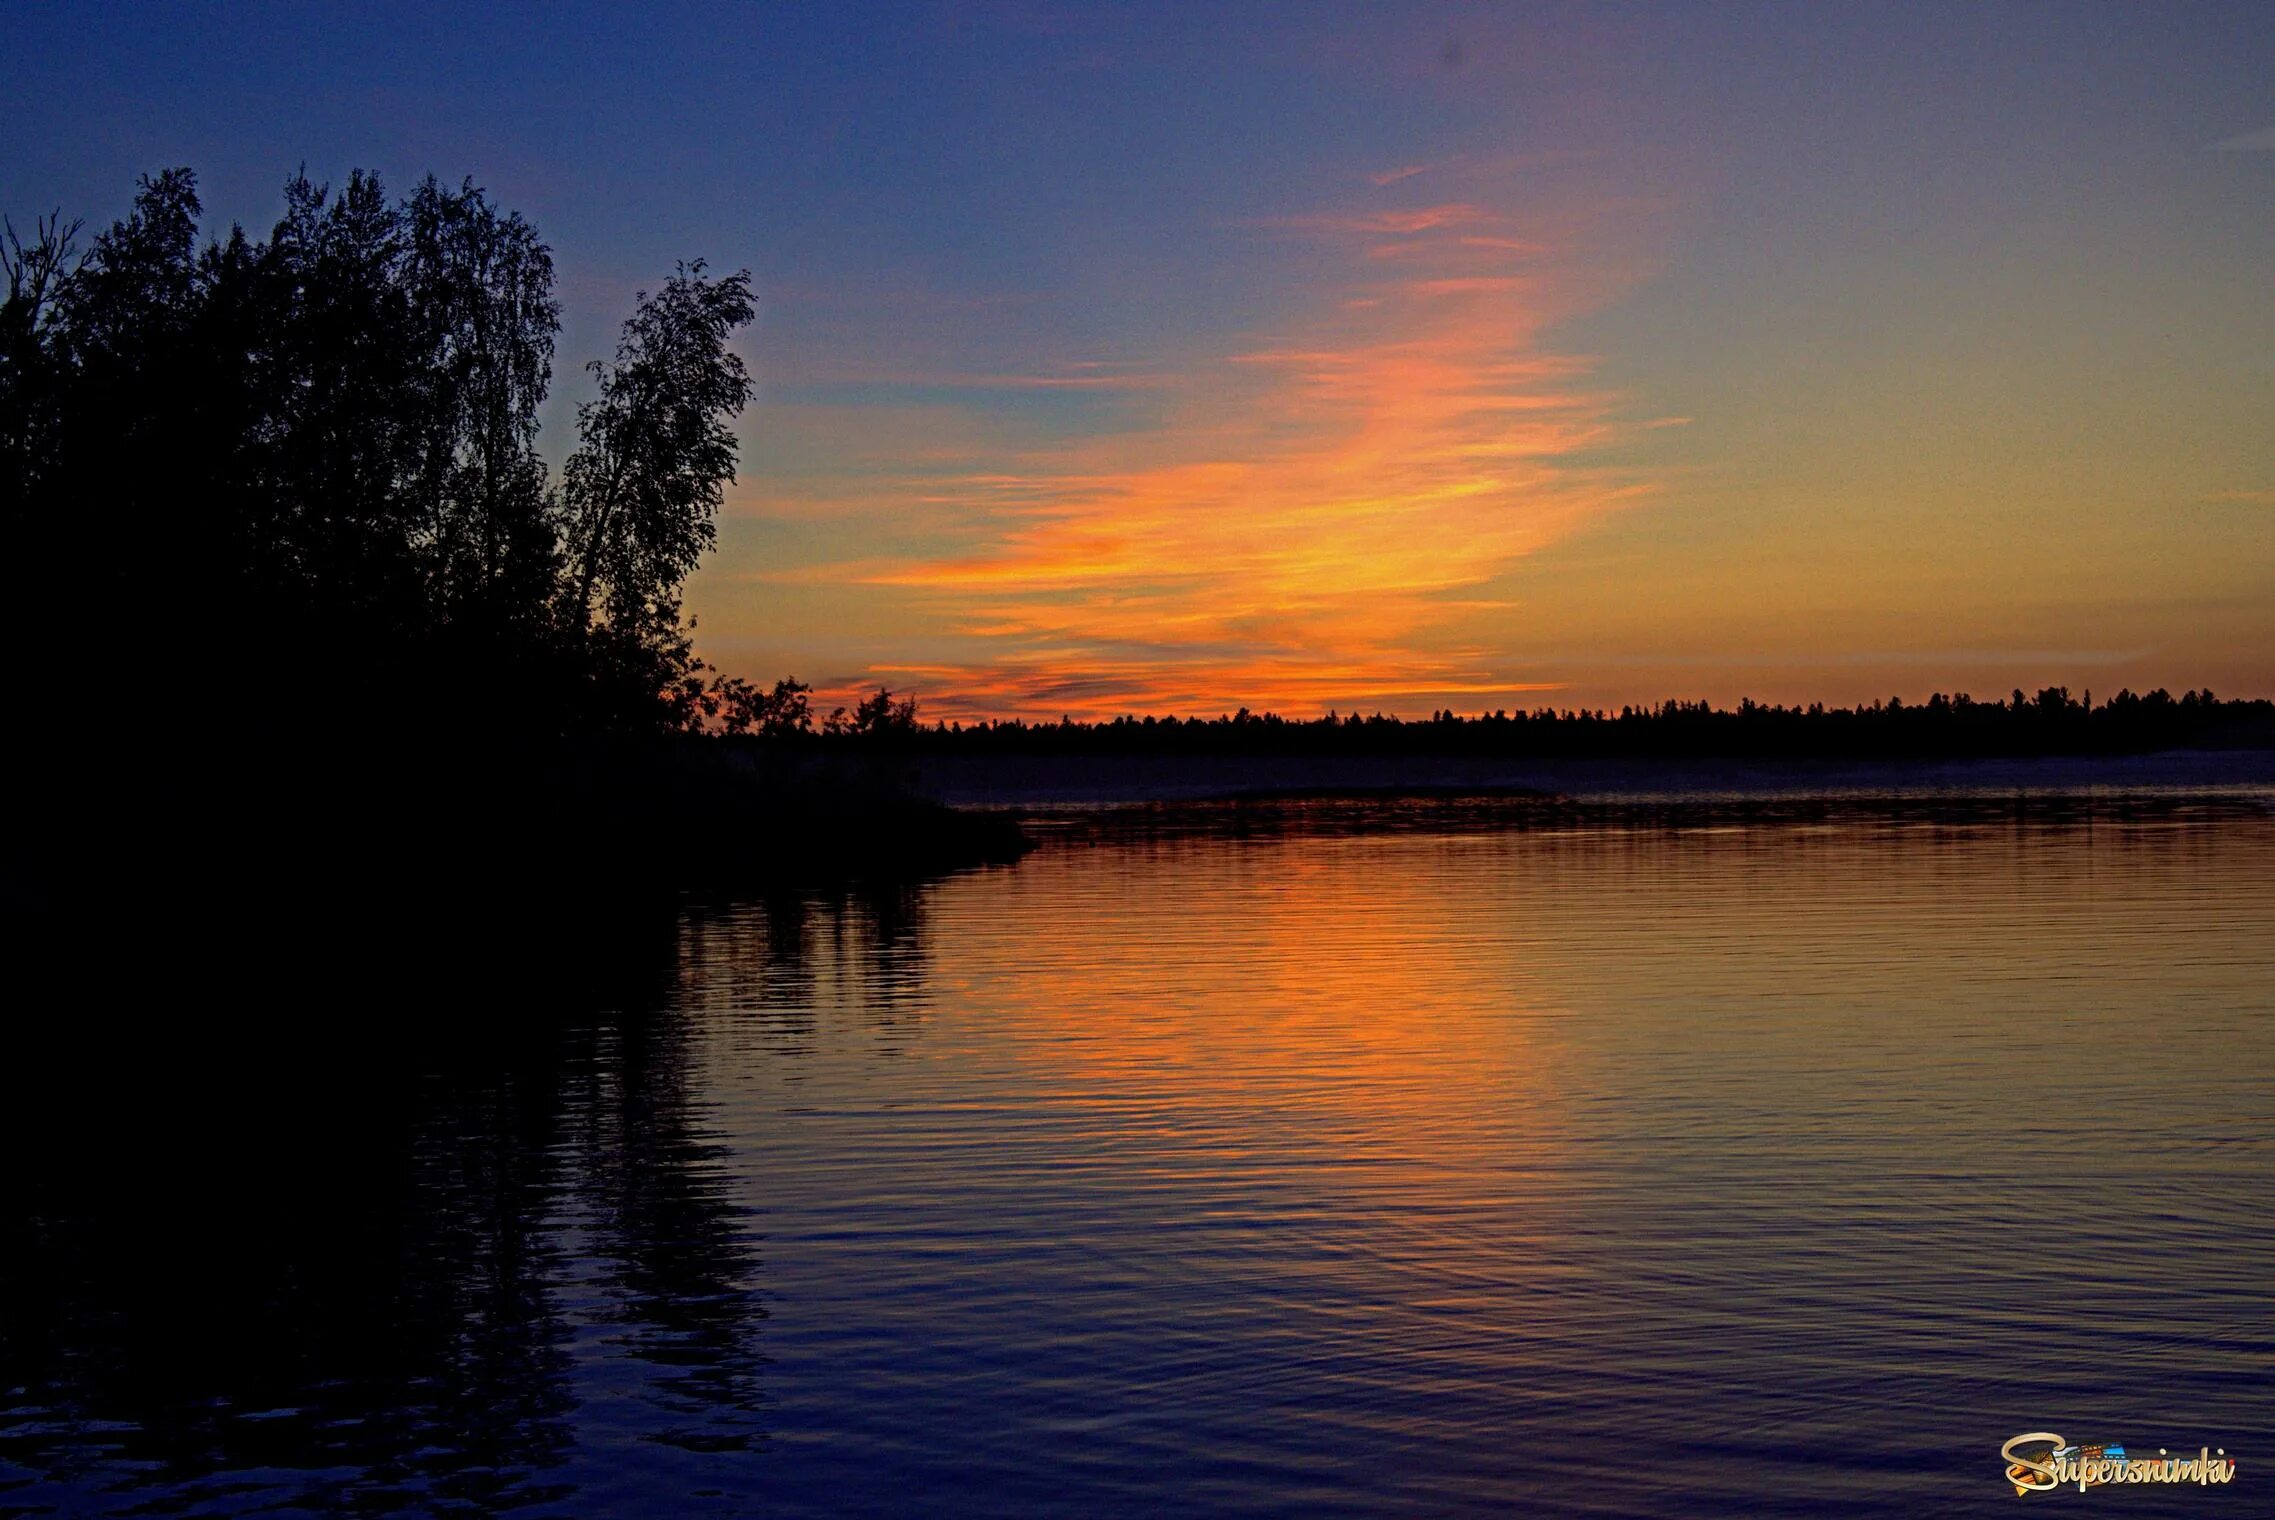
(1399, 479)
(1320, 504)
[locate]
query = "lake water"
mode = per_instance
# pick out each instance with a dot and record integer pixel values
(1754, 1169)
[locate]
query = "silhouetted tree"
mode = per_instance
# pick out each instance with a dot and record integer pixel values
(877, 717)
(29, 376)
(654, 452)
(480, 289)
(313, 463)
(786, 712)
(346, 441)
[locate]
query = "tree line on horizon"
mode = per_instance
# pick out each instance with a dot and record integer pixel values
(292, 484)
(2054, 721)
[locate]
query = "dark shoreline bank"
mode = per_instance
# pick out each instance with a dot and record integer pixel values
(435, 884)
(429, 884)
(1049, 783)
(1265, 816)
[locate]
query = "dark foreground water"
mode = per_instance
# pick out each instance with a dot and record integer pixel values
(1770, 1169)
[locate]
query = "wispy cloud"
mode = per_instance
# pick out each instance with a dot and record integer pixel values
(1315, 515)
(951, 380)
(2254, 498)
(2262, 141)
(1393, 176)
(1046, 686)
(1413, 219)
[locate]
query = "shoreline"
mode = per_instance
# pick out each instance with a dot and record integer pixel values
(1052, 783)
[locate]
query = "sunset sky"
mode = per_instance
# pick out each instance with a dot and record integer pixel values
(1178, 358)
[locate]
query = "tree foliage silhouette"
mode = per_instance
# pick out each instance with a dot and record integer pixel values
(302, 473)
(644, 485)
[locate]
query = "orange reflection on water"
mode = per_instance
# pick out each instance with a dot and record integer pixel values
(1294, 1022)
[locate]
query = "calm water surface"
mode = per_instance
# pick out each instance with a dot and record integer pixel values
(1748, 1170)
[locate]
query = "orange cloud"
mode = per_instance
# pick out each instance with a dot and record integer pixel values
(1049, 687)
(1418, 219)
(1310, 522)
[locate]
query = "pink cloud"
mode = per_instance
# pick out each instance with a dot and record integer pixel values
(1317, 515)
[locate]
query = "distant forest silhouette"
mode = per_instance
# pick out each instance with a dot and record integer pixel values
(2053, 722)
(287, 492)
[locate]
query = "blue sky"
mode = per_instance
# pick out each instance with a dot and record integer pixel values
(1178, 356)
